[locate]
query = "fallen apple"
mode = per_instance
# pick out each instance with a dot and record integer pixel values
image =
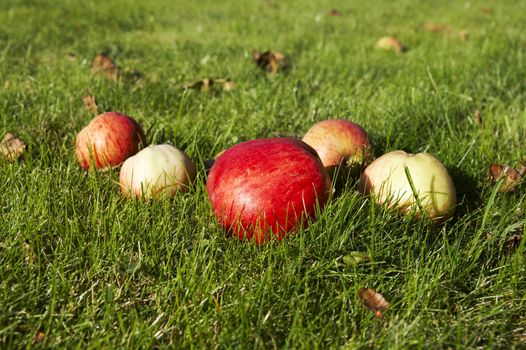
(266, 188)
(155, 171)
(108, 140)
(412, 182)
(340, 142)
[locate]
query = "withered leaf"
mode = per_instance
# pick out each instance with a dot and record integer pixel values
(269, 61)
(463, 35)
(373, 301)
(39, 337)
(477, 119)
(91, 103)
(436, 28)
(334, 13)
(512, 177)
(104, 65)
(486, 10)
(512, 242)
(390, 43)
(208, 83)
(356, 258)
(270, 4)
(11, 147)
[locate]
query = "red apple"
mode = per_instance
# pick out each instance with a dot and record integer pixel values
(155, 171)
(266, 188)
(108, 140)
(413, 183)
(338, 142)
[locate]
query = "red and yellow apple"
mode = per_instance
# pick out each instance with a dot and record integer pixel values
(339, 142)
(266, 188)
(155, 171)
(417, 183)
(108, 140)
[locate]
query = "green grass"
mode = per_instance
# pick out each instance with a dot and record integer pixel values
(92, 269)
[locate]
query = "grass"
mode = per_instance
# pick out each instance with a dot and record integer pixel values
(80, 266)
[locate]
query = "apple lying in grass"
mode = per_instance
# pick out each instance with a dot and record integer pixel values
(155, 171)
(339, 142)
(266, 188)
(412, 182)
(108, 140)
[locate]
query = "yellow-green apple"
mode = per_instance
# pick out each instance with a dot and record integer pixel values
(108, 140)
(155, 171)
(266, 188)
(339, 142)
(412, 182)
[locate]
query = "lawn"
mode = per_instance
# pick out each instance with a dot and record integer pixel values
(83, 267)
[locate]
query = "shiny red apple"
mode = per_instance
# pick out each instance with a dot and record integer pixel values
(266, 188)
(108, 140)
(339, 142)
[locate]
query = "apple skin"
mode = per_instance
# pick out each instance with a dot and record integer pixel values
(266, 188)
(386, 179)
(109, 139)
(155, 171)
(339, 141)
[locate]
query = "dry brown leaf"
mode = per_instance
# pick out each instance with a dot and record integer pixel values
(334, 13)
(390, 43)
(39, 337)
(477, 119)
(11, 147)
(436, 28)
(270, 4)
(269, 61)
(512, 242)
(373, 301)
(463, 35)
(71, 56)
(486, 10)
(207, 83)
(91, 103)
(512, 177)
(104, 65)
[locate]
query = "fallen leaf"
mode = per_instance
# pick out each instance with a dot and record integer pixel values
(104, 65)
(463, 35)
(11, 147)
(207, 83)
(269, 61)
(373, 301)
(270, 4)
(334, 13)
(390, 43)
(477, 119)
(90, 103)
(512, 242)
(486, 10)
(512, 177)
(39, 337)
(436, 28)
(356, 258)
(71, 56)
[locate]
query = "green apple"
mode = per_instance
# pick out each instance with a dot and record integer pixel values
(413, 183)
(155, 171)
